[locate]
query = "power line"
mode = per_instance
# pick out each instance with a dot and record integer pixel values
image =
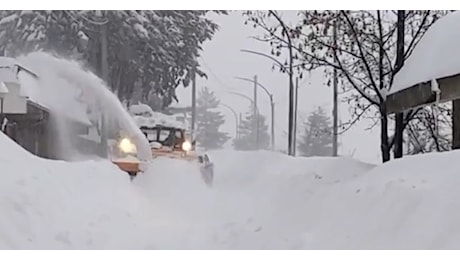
(213, 74)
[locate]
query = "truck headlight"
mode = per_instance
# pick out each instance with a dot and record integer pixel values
(127, 146)
(186, 146)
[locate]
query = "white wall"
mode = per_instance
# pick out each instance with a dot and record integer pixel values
(14, 102)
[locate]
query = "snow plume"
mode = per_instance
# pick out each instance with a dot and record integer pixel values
(68, 90)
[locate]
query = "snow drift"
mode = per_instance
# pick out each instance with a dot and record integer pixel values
(61, 205)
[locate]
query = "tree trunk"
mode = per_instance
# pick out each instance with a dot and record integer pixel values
(291, 147)
(399, 128)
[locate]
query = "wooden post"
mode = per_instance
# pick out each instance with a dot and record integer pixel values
(456, 124)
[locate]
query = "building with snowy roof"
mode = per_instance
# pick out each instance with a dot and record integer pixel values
(432, 73)
(28, 112)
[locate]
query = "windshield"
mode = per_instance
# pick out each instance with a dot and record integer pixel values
(165, 136)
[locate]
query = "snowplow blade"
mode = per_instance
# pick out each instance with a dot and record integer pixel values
(132, 168)
(206, 169)
(207, 173)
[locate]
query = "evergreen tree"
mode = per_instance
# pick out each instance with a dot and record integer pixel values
(317, 135)
(209, 121)
(248, 138)
(150, 52)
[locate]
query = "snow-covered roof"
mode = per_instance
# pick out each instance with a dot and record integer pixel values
(158, 119)
(7, 70)
(436, 56)
(3, 88)
(62, 101)
(7, 62)
(140, 109)
(145, 116)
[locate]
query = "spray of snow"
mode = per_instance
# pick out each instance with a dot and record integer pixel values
(68, 90)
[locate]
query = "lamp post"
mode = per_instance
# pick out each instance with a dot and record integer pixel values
(3, 93)
(236, 118)
(246, 97)
(256, 112)
(292, 113)
(272, 104)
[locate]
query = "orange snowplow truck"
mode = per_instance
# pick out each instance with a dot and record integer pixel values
(165, 141)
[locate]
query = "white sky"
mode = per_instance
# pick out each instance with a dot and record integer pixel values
(222, 61)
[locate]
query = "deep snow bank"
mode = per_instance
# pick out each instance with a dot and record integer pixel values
(59, 205)
(405, 204)
(326, 203)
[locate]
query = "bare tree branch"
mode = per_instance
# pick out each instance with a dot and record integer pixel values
(369, 71)
(415, 37)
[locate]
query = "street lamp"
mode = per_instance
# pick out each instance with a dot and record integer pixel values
(3, 92)
(256, 115)
(236, 118)
(246, 97)
(272, 104)
(292, 96)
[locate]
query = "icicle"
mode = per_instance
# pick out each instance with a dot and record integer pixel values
(435, 88)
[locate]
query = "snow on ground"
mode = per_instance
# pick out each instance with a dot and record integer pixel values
(434, 57)
(61, 205)
(260, 200)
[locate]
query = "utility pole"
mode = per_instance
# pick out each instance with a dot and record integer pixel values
(256, 116)
(104, 54)
(272, 104)
(193, 101)
(105, 77)
(273, 122)
(335, 110)
(239, 124)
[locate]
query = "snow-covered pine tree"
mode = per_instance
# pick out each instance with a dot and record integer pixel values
(248, 137)
(209, 121)
(317, 135)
